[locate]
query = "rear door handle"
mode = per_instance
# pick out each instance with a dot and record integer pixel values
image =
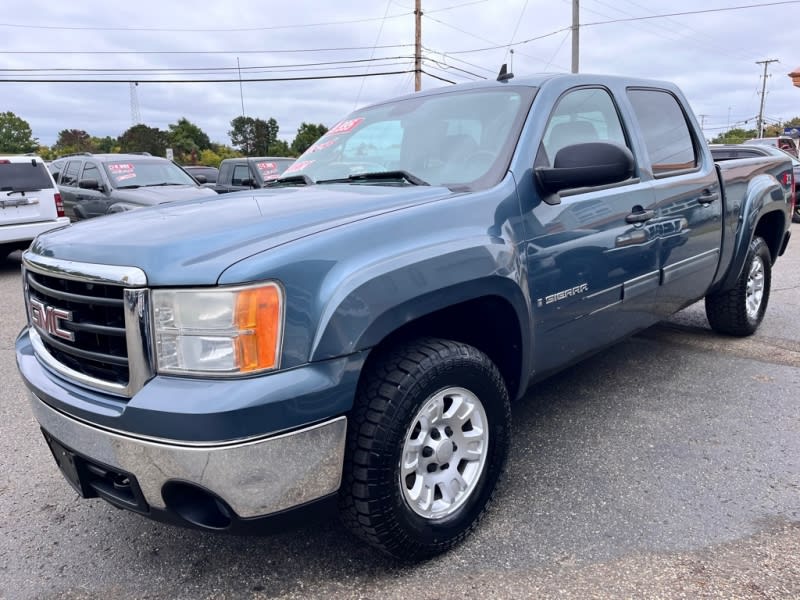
(640, 216)
(707, 197)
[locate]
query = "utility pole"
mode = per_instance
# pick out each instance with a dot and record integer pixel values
(575, 34)
(418, 45)
(763, 94)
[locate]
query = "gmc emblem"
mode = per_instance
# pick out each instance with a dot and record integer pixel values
(49, 318)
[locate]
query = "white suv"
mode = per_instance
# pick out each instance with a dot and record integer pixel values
(29, 202)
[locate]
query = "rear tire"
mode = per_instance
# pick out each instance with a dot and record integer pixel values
(427, 443)
(739, 311)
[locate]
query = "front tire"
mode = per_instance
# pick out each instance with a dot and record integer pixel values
(427, 443)
(739, 311)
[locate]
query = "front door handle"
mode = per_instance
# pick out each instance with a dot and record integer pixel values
(639, 216)
(707, 197)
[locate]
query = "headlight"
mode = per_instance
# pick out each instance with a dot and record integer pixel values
(218, 331)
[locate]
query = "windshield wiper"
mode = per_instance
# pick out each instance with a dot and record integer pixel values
(128, 187)
(20, 190)
(290, 180)
(397, 175)
(164, 183)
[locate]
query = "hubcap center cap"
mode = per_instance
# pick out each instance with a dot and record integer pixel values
(444, 452)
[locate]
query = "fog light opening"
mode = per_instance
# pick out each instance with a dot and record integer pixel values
(197, 505)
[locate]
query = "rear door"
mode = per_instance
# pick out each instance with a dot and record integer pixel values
(27, 191)
(688, 198)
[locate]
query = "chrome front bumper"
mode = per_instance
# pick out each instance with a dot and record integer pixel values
(256, 477)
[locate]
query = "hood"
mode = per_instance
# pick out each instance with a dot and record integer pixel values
(191, 243)
(152, 195)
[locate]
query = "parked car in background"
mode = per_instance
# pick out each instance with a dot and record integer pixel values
(249, 173)
(783, 142)
(92, 185)
(722, 152)
(29, 202)
(202, 173)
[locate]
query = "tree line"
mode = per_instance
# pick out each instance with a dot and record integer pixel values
(250, 136)
(738, 134)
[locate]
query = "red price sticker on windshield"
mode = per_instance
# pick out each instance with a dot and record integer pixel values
(267, 168)
(345, 126)
(322, 145)
(118, 168)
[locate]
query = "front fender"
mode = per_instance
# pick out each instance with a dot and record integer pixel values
(372, 303)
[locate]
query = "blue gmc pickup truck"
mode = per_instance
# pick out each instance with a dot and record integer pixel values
(352, 336)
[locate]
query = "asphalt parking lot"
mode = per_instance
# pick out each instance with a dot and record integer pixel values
(665, 467)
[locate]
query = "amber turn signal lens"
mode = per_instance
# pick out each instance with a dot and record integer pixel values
(258, 319)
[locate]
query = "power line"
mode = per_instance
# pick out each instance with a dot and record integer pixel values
(201, 30)
(253, 68)
(691, 12)
(251, 80)
(437, 77)
(159, 52)
(372, 53)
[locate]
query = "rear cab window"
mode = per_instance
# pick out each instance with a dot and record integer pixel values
(666, 132)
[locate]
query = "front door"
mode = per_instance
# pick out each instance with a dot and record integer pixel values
(593, 270)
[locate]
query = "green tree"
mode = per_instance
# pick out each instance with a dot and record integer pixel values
(307, 134)
(253, 136)
(187, 140)
(280, 148)
(16, 136)
(71, 141)
(243, 135)
(105, 144)
(141, 138)
(735, 136)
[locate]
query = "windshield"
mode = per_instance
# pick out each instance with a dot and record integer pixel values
(460, 139)
(144, 172)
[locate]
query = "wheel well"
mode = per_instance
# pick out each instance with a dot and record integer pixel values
(770, 228)
(488, 324)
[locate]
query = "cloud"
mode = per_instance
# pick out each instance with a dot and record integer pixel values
(712, 56)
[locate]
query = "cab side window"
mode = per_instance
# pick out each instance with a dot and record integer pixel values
(581, 116)
(90, 171)
(240, 173)
(69, 176)
(665, 130)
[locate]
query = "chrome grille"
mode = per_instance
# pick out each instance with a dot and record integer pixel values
(97, 323)
(88, 324)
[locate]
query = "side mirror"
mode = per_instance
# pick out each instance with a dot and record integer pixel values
(248, 182)
(586, 165)
(201, 179)
(89, 184)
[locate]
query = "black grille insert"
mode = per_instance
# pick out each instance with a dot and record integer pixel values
(99, 349)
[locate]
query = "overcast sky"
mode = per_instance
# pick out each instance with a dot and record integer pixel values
(712, 56)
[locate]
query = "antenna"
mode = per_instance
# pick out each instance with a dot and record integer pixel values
(136, 115)
(504, 74)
